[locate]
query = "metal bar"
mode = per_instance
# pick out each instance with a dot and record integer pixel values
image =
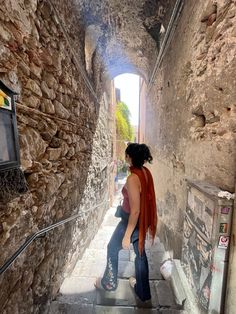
(175, 14)
(174, 25)
(38, 234)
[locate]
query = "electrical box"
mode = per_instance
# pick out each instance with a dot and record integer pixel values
(207, 227)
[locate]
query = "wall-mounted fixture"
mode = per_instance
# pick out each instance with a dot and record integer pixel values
(12, 180)
(9, 146)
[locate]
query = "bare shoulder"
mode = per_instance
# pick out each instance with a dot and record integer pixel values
(133, 179)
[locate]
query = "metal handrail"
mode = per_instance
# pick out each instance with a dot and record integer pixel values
(39, 234)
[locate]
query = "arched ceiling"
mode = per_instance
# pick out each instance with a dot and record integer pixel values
(129, 32)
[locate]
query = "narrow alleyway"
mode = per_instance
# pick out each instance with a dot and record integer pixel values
(59, 155)
(78, 295)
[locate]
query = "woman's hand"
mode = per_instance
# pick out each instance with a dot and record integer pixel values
(126, 242)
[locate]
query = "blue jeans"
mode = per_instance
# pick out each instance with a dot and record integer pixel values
(109, 279)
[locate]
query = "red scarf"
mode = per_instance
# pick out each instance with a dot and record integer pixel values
(148, 209)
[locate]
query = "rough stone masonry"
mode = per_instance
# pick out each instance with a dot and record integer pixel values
(65, 135)
(64, 148)
(192, 111)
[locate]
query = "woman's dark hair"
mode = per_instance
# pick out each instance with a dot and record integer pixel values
(139, 154)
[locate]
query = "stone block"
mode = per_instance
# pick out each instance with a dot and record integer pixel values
(60, 110)
(124, 255)
(95, 254)
(171, 311)
(164, 293)
(79, 290)
(99, 309)
(23, 69)
(48, 92)
(123, 296)
(37, 70)
(5, 35)
(68, 308)
(156, 256)
(47, 106)
(90, 268)
(154, 271)
(32, 144)
(132, 255)
(53, 153)
(126, 269)
(32, 101)
(50, 80)
(45, 57)
(71, 152)
(54, 182)
(34, 87)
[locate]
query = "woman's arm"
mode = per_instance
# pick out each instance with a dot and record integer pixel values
(133, 187)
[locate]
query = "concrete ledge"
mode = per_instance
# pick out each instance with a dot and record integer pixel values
(182, 290)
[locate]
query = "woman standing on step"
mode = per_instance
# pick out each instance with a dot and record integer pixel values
(139, 215)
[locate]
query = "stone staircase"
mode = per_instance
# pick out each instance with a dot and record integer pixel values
(78, 295)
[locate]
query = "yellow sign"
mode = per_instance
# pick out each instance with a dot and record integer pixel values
(5, 101)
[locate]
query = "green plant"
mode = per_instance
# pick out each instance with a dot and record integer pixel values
(124, 129)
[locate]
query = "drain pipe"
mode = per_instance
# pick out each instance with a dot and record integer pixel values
(230, 301)
(167, 39)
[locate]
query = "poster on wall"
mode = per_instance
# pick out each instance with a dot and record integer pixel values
(5, 101)
(206, 240)
(197, 249)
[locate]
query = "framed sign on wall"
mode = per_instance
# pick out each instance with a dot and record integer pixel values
(9, 145)
(12, 179)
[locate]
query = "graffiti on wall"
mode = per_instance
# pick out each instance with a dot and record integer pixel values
(197, 248)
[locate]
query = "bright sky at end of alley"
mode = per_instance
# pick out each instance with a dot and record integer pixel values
(129, 94)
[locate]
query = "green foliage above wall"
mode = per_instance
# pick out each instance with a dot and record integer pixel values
(124, 130)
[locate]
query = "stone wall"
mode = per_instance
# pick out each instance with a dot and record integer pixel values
(96, 196)
(192, 111)
(64, 148)
(124, 30)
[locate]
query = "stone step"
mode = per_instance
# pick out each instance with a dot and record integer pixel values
(81, 290)
(78, 290)
(126, 263)
(95, 254)
(122, 310)
(62, 308)
(124, 296)
(127, 269)
(172, 311)
(70, 308)
(89, 269)
(165, 294)
(78, 294)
